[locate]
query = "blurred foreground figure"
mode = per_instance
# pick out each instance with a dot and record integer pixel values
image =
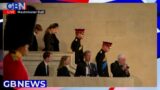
(18, 35)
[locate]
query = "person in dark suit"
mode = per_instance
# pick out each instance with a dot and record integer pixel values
(102, 65)
(34, 45)
(43, 68)
(50, 40)
(86, 68)
(77, 47)
(62, 68)
(119, 68)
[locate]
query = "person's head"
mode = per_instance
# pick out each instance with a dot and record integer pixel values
(65, 60)
(53, 28)
(23, 49)
(38, 28)
(79, 33)
(87, 56)
(122, 59)
(46, 56)
(106, 46)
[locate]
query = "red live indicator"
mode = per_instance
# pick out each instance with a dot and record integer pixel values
(9, 12)
(111, 88)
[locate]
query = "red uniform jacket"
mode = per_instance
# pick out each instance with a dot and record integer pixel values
(13, 68)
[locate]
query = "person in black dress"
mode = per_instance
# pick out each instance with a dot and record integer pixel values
(87, 68)
(77, 47)
(43, 68)
(102, 65)
(50, 40)
(62, 68)
(34, 45)
(119, 68)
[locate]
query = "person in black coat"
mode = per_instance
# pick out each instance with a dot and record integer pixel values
(86, 68)
(50, 40)
(102, 65)
(119, 68)
(62, 68)
(34, 45)
(43, 68)
(77, 47)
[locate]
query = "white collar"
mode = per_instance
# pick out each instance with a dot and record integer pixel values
(34, 33)
(45, 63)
(87, 63)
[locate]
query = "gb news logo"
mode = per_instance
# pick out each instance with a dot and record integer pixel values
(25, 83)
(16, 6)
(13, 6)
